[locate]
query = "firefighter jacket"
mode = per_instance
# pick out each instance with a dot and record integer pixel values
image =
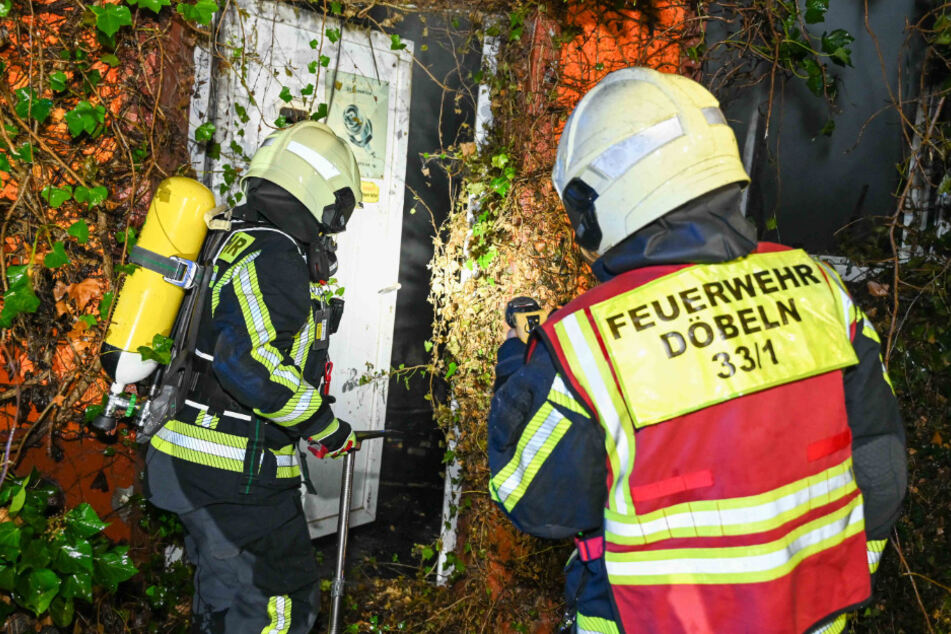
(260, 355)
(720, 438)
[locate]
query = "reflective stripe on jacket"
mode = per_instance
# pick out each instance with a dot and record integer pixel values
(261, 350)
(731, 500)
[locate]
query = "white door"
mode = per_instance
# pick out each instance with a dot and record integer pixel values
(273, 57)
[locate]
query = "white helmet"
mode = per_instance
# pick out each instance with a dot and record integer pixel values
(316, 166)
(637, 146)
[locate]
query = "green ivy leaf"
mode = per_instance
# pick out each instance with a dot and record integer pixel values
(336, 8)
(312, 67)
(816, 11)
(22, 107)
(160, 351)
(127, 236)
(321, 112)
(62, 611)
(314, 44)
(90, 321)
(486, 258)
(500, 185)
(110, 59)
(92, 196)
(114, 567)
(201, 12)
(242, 113)
(307, 90)
(29, 106)
(944, 187)
(58, 81)
(157, 595)
(57, 257)
(86, 118)
(56, 196)
(19, 499)
(333, 35)
(112, 17)
(828, 128)
(280, 122)
(229, 173)
(83, 522)
(19, 297)
(105, 304)
(8, 577)
(837, 45)
(38, 589)
(452, 369)
(396, 43)
(35, 555)
(500, 160)
(5, 6)
(90, 413)
(814, 81)
(152, 5)
(139, 153)
(91, 79)
(77, 586)
(25, 154)
(324, 61)
(285, 95)
(72, 557)
(205, 132)
(9, 542)
(942, 29)
(80, 231)
(4, 163)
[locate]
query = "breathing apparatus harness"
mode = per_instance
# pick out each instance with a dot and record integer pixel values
(182, 376)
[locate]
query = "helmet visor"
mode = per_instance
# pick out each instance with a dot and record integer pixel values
(336, 215)
(579, 200)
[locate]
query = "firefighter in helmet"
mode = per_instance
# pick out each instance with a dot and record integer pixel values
(228, 463)
(712, 423)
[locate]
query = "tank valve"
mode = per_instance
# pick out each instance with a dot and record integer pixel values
(118, 404)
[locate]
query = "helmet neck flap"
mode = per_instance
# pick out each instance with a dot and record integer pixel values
(708, 229)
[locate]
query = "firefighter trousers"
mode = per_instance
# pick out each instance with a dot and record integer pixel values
(266, 584)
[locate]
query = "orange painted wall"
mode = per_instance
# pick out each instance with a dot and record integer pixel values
(87, 469)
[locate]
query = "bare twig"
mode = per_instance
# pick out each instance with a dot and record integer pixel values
(896, 542)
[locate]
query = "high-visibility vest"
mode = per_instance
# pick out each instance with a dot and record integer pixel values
(731, 502)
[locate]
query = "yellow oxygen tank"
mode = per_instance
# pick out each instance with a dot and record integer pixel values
(149, 300)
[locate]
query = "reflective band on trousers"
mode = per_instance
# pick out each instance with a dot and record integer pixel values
(216, 449)
(279, 611)
(736, 564)
(736, 516)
